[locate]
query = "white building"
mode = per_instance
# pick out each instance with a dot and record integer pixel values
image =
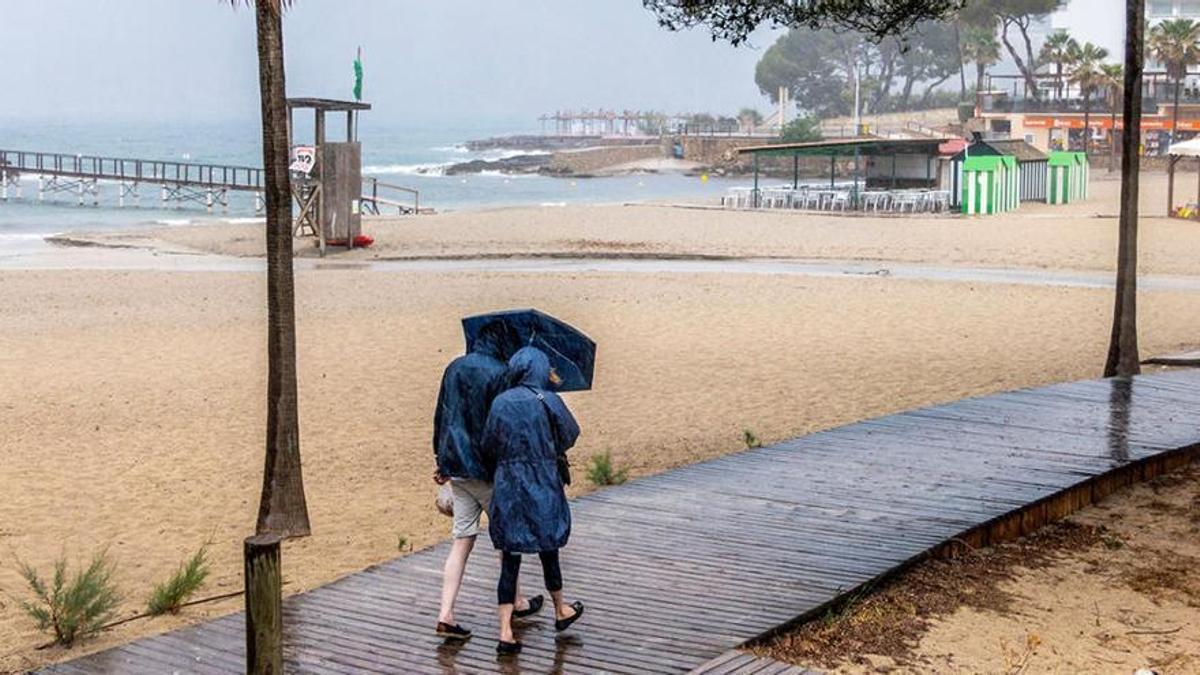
(1157, 10)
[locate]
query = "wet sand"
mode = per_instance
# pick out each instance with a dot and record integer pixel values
(1080, 236)
(134, 398)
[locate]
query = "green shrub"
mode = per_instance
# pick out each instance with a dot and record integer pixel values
(602, 471)
(171, 595)
(76, 607)
(750, 439)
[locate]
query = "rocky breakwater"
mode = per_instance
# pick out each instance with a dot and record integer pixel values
(516, 164)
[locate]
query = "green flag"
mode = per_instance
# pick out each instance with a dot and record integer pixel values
(358, 75)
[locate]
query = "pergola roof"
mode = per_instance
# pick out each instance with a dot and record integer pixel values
(848, 146)
(327, 104)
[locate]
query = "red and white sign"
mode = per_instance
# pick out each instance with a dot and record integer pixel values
(304, 157)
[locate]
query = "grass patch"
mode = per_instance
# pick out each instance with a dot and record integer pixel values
(71, 608)
(169, 596)
(750, 439)
(603, 472)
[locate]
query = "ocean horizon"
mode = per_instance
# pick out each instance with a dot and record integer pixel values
(412, 156)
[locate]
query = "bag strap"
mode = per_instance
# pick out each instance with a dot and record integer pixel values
(549, 419)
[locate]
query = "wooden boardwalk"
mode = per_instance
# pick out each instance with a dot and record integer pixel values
(677, 569)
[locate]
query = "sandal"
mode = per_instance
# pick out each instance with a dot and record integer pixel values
(535, 606)
(507, 648)
(455, 632)
(563, 624)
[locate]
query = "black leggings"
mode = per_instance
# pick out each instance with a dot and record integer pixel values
(510, 567)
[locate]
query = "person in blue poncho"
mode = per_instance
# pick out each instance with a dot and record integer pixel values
(469, 385)
(527, 430)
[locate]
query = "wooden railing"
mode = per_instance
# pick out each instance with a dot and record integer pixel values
(374, 204)
(133, 170)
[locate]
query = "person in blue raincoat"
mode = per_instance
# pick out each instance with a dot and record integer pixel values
(469, 385)
(527, 430)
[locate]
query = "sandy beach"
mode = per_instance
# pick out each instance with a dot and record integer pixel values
(1081, 236)
(134, 400)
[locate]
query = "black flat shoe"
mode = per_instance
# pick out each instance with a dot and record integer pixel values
(455, 632)
(535, 606)
(563, 624)
(508, 648)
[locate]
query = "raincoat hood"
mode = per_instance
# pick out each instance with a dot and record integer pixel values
(530, 367)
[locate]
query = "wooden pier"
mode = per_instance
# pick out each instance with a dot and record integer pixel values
(80, 175)
(678, 569)
(209, 185)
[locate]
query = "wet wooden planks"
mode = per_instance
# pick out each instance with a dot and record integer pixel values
(734, 662)
(679, 568)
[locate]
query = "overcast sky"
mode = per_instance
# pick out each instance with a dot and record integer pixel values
(425, 59)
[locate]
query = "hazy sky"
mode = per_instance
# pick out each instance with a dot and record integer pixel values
(1098, 21)
(425, 59)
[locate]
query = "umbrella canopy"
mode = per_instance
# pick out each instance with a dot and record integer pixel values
(572, 354)
(1186, 148)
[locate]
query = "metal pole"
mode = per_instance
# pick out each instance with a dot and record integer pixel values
(795, 172)
(832, 169)
(755, 200)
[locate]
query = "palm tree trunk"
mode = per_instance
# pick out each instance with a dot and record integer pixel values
(282, 508)
(1175, 110)
(1087, 120)
(1112, 133)
(1122, 348)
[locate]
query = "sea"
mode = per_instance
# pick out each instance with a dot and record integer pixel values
(409, 155)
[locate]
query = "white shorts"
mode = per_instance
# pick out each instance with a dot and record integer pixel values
(471, 498)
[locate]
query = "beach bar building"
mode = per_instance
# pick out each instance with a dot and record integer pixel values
(991, 185)
(1068, 177)
(1033, 165)
(885, 173)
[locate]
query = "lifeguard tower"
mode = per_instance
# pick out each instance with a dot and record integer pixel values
(327, 176)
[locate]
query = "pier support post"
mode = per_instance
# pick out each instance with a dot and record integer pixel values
(41, 188)
(3, 186)
(264, 606)
(208, 199)
(164, 195)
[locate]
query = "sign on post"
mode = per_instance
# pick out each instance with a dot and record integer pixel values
(304, 157)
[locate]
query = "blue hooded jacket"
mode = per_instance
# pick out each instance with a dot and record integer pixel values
(469, 385)
(522, 441)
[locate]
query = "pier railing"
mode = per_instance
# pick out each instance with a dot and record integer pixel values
(133, 170)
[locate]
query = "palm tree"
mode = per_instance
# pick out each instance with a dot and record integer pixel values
(979, 46)
(1056, 50)
(1176, 44)
(1112, 78)
(1122, 357)
(1086, 62)
(282, 508)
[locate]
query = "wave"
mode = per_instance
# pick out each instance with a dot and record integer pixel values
(509, 153)
(407, 169)
(456, 149)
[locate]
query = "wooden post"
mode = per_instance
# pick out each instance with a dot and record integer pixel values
(264, 606)
(1171, 185)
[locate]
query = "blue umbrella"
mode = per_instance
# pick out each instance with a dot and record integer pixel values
(571, 353)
